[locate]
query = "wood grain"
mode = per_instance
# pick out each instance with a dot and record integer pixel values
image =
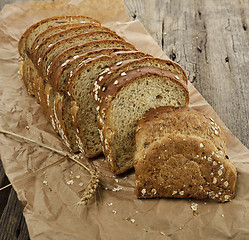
(210, 40)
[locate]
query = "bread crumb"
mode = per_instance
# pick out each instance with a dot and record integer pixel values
(132, 220)
(114, 211)
(162, 233)
(78, 176)
(45, 182)
(110, 204)
(81, 184)
(70, 182)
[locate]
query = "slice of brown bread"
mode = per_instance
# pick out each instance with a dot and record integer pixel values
(59, 46)
(62, 102)
(78, 50)
(50, 40)
(127, 65)
(53, 30)
(59, 76)
(168, 120)
(80, 87)
(74, 30)
(184, 166)
(126, 99)
(27, 39)
(25, 42)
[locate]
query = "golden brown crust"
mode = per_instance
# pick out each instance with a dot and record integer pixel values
(83, 48)
(166, 119)
(107, 93)
(73, 31)
(133, 64)
(69, 42)
(22, 47)
(72, 63)
(183, 166)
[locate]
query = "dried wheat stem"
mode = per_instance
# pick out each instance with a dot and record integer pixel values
(33, 141)
(93, 184)
(35, 172)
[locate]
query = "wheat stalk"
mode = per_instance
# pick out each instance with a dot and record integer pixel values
(91, 187)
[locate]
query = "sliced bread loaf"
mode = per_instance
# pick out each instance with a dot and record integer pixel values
(56, 48)
(80, 87)
(27, 39)
(168, 120)
(184, 166)
(78, 50)
(126, 99)
(62, 103)
(50, 40)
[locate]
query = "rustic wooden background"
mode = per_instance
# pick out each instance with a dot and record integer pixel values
(210, 40)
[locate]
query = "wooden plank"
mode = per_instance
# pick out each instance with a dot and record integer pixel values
(210, 40)
(12, 222)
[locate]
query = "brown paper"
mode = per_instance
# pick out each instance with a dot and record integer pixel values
(115, 213)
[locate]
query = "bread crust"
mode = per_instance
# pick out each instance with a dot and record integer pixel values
(184, 166)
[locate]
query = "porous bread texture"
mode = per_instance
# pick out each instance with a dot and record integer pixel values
(83, 48)
(61, 45)
(127, 99)
(25, 43)
(80, 87)
(124, 66)
(62, 102)
(184, 166)
(181, 120)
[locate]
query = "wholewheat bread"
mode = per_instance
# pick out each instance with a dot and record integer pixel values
(79, 87)
(51, 39)
(77, 30)
(61, 45)
(181, 120)
(51, 31)
(132, 64)
(62, 103)
(126, 99)
(184, 166)
(25, 43)
(78, 50)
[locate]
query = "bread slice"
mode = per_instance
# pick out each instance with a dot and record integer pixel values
(122, 67)
(56, 48)
(182, 120)
(184, 166)
(74, 30)
(59, 76)
(62, 103)
(78, 50)
(50, 40)
(27, 39)
(80, 87)
(25, 43)
(126, 99)
(51, 31)
(132, 64)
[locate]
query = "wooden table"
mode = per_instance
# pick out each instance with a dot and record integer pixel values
(210, 40)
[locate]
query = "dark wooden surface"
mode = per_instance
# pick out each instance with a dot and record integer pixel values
(210, 40)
